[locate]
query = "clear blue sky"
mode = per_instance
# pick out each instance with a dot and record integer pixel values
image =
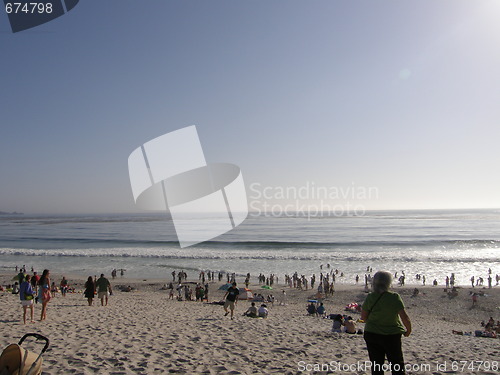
(403, 96)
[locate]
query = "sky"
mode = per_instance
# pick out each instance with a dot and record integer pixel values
(400, 97)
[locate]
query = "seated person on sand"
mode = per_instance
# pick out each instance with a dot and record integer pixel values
(263, 311)
(251, 312)
(321, 309)
(415, 292)
(53, 288)
(350, 326)
(489, 325)
(453, 292)
(491, 328)
(311, 309)
(337, 323)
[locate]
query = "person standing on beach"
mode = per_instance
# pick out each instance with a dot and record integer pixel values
(231, 297)
(206, 292)
(20, 276)
(103, 287)
(44, 294)
(34, 282)
(474, 299)
(386, 320)
(64, 286)
(26, 295)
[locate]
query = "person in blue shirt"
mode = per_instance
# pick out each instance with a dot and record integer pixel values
(26, 295)
(321, 309)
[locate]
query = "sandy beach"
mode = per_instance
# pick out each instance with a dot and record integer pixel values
(143, 332)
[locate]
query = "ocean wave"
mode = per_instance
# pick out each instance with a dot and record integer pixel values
(268, 255)
(469, 243)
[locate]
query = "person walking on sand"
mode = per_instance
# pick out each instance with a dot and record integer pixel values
(44, 294)
(103, 287)
(89, 290)
(231, 297)
(386, 320)
(26, 295)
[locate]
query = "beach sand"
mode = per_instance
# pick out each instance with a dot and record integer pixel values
(143, 332)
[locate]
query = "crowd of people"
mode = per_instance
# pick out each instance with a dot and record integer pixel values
(382, 312)
(33, 289)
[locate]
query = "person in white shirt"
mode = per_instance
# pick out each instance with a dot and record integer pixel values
(263, 311)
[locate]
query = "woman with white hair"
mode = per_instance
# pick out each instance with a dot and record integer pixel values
(386, 320)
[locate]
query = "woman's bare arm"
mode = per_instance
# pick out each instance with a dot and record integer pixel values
(406, 322)
(364, 315)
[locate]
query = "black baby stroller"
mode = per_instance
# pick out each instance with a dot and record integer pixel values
(16, 360)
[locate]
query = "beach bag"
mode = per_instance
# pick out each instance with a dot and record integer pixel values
(28, 296)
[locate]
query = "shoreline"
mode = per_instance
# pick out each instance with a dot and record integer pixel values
(339, 286)
(411, 282)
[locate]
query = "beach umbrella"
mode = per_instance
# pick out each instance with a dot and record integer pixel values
(266, 287)
(225, 286)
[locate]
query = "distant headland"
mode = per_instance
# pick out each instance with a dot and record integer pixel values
(11, 213)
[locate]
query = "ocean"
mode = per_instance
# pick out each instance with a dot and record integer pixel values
(430, 243)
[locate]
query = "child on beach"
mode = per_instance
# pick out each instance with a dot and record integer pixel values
(64, 286)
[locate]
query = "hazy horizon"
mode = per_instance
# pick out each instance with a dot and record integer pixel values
(254, 213)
